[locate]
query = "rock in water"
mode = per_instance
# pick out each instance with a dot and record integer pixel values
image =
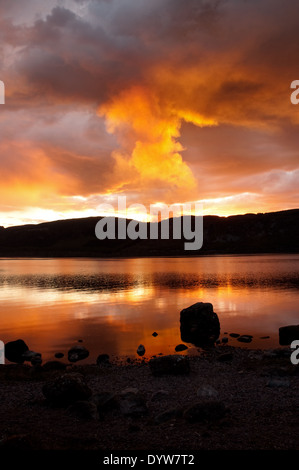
(66, 389)
(14, 351)
(141, 350)
(199, 325)
(77, 353)
(103, 359)
(181, 347)
(287, 334)
(245, 339)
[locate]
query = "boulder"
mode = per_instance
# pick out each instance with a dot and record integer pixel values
(14, 351)
(169, 365)
(199, 325)
(77, 353)
(168, 415)
(287, 334)
(66, 389)
(105, 401)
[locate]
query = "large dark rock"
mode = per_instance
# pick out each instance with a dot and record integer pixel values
(287, 334)
(199, 325)
(14, 351)
(169, 365)
(66, 389)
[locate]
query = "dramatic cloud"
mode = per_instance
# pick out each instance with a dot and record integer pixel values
(161, 101)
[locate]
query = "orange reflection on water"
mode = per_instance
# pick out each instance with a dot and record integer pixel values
(115, 305)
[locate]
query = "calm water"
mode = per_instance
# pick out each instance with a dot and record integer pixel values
(114, 305)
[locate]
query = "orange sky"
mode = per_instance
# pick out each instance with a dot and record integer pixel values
(159, 101)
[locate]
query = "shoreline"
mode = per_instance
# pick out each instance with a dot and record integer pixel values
(229, 398)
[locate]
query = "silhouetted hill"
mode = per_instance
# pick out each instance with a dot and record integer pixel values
(274, 232)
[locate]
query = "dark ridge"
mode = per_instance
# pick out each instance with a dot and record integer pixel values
(274, 232)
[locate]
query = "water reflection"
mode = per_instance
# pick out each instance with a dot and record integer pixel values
(115, 305)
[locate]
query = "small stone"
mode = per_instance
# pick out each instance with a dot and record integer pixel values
(181, 347)
(278, 382)
(77, 353)
(207, 391)
(59, 355)
(155, 334)
(234, 335)
(245, 338)
(29, 355)
(141, 350)
(105, 401)
(264, 337)
(103, 359)
(226, 357)
(159, 395)
(224, 340)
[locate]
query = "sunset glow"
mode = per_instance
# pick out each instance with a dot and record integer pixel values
(167, 102)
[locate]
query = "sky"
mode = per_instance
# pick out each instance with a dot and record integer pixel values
(161, 101)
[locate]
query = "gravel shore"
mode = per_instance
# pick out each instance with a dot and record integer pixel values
(229, 399)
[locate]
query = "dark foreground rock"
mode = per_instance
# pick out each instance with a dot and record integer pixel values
(66, 389)
(199, 325)
(170, 365)
(15, 350)
(287, 334)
